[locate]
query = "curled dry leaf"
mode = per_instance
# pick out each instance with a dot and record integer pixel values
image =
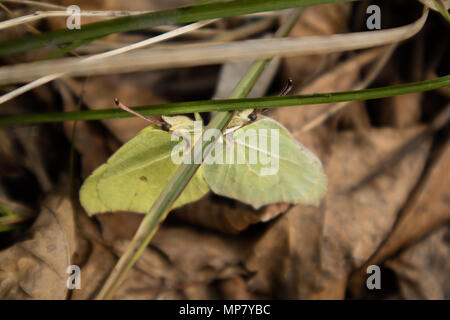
(340, 78)
(183, 262)
(308, 252)
(18, 147)
(94, 256)
(36, 268)
(131, 90)
(427, 210)
(93, 143)
(423, 270)
(225, 215)
(316, 21)
(402, 111)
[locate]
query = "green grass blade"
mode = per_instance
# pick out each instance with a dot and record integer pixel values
(66, 49)
(232, 104)
(181, 15)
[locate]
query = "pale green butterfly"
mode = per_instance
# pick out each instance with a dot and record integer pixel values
(135, 175)
(298, 178)
(290, 172)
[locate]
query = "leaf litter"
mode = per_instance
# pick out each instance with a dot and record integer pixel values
(220, 248)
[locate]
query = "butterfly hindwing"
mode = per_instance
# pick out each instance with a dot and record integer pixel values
(290, 174)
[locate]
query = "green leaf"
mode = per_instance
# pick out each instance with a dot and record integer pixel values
(133, 178)
(279, 170)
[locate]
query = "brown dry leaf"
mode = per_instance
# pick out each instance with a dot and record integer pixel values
(401, 111)
(36, 268)
(22, 148)
(118, 225)
(11, 161)
(95, 269)
(152, 277)
(316, 21)
(94, 257)
(95, 254)
(101, 245)
(225, 215)
(93, 143)
(404, 111)
(341, 78)
(180, 263)
(309, 252)
(193, 250)
(234, 288)
(132, 90)
(423, 270)
(427, 210)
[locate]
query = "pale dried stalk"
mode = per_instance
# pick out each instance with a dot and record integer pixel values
(38, 15)
(94, 58)
(432, 4)
(26, 25)
(152, 59)
(213, 34)
(38, 4)
(335, 108)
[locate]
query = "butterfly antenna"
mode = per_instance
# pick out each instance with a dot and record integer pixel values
(160, 124)
(287, 88)
(254, 115)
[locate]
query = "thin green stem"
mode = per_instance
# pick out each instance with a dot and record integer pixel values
(66, 49)
(6, 211)
(232, 104)
(9, 219)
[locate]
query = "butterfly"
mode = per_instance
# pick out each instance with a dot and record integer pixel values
(240, 166)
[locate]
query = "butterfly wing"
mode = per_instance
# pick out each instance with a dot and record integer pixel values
(290, 174)
(133, 177)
